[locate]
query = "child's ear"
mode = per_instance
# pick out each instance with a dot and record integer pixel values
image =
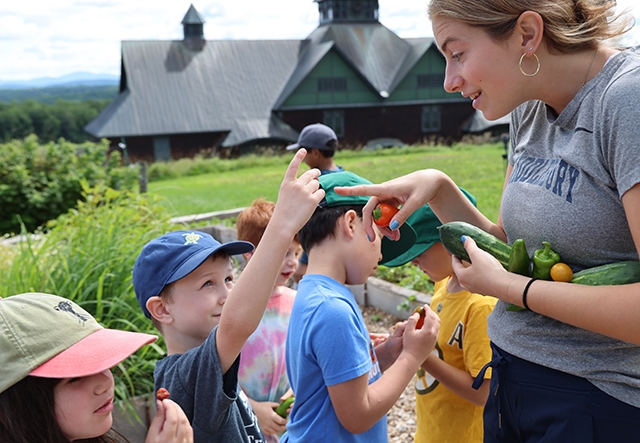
(158, 310)
(348, 223)
(248, 255)
(315, 154)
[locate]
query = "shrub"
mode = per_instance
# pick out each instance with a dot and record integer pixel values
(47, 117)
(87, 255)
(38, 182)
(408, 275)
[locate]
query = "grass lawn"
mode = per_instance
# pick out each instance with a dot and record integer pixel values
(478, 169)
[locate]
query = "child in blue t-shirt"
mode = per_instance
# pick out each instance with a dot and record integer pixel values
(344, 387)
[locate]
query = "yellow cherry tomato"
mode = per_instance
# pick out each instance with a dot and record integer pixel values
(561, 272)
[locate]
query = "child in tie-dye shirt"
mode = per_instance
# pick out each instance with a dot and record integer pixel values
(263, 374)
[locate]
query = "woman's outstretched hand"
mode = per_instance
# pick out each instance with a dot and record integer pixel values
(409, 191)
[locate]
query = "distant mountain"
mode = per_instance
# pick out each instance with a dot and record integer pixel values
(52, 94)
(69, 80)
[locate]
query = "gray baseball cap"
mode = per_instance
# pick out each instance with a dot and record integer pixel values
(315, 136)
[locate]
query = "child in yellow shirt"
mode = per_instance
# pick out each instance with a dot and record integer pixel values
(448, 408)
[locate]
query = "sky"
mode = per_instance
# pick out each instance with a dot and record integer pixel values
(52, 38)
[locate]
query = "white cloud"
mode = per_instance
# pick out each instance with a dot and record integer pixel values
(50, 38)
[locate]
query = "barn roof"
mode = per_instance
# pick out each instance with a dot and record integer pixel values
(170, 87)
(380, 57)
(227, 86)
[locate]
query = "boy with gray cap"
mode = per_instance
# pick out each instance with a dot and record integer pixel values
(449, 406)
(185, 282)
(321, 142)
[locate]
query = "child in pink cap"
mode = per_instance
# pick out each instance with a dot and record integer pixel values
(55, 378)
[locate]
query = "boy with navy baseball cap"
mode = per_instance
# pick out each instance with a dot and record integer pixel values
(184, 281)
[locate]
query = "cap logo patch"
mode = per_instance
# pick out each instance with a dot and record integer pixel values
(191, 238)
(65, 306)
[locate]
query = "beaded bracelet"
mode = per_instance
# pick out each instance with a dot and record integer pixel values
(524, 294)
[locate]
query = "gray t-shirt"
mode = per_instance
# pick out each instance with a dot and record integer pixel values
(213, 402)
(569, 174)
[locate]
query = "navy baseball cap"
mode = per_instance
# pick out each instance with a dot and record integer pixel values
(173, 256)
(390, 249)
(314, 136)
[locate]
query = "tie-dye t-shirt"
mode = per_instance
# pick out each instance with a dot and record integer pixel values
(263, 372)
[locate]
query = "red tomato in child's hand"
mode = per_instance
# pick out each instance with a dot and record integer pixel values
(420, 310)
(162, 394)
(383, 214)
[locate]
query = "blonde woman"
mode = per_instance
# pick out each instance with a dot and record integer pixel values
(567, 368)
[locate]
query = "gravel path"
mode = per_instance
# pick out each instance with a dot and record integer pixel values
(402, 417)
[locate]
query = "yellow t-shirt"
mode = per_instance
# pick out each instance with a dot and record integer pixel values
(442, 416)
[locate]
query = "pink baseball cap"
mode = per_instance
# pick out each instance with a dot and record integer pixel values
(45, 335)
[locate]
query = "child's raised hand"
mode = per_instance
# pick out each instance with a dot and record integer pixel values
(298, 197)
(420, 342)
(170, 424)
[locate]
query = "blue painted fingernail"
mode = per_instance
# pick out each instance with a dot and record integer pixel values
(388, 238)
(463, 238)
(394, 225)
(368, 238)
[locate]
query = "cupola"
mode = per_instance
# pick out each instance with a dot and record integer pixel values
(337, 11)
(193, 24)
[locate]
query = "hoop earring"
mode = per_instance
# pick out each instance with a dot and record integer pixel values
(522, 70)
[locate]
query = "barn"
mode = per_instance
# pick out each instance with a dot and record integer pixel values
(178, 98)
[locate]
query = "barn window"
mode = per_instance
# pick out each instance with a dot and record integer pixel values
(426, 81)
(430, 118)
(332, 84)
(161, 149)
(335, 120)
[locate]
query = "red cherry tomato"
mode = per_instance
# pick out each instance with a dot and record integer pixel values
(383, 214)
(162, 394)
(420, 310)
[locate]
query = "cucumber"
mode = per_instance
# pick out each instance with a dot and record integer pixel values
(281, 409)
(619, 273)
(451, 232)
